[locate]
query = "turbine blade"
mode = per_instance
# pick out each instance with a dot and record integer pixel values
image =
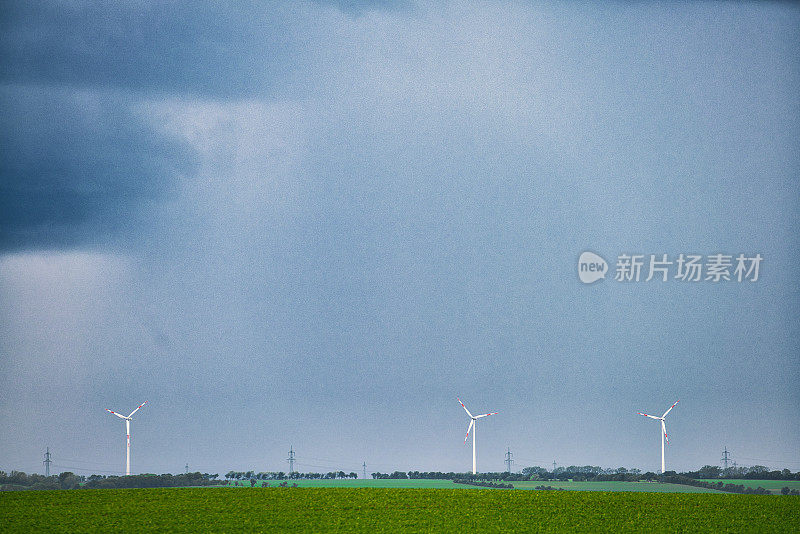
(469, 429)
(664, 430)
(465, 408)
(484, 415)
(650, 416)
(117, 414)
(137, 408)
(670, 408)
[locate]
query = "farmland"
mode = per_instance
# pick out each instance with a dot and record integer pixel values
(390, 510)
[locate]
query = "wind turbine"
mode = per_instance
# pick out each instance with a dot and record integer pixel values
(472, 426)
(663, 431)
(128, 432)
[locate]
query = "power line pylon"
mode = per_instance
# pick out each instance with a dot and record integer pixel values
(508, 460)
(725, 459)
(47, 462)
(290, 459)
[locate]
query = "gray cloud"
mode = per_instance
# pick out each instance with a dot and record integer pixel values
(77, 167)
(147, 46)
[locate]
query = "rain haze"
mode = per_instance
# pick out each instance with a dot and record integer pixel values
(317, 224)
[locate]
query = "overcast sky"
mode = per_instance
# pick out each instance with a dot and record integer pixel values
(317, 224)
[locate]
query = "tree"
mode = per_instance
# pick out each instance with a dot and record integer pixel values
(709, 471)
(68, 480)
(756, 471)
(18, 477)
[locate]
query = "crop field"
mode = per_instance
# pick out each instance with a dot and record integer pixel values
(391, 510)
(773, 485)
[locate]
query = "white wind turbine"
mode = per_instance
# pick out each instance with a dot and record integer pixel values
(663, 431)
(472, 427)
(128, 432)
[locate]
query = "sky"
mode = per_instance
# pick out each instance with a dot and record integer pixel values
(316, 224)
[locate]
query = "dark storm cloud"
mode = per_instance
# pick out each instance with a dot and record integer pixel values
(77, 160)
(75, 166)
(212, 49)
(359, 7)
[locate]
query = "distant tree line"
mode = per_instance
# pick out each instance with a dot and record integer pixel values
(280, 475)
(756, 472)
(151, 481)
(395, 475)
(18, 480)
(483, 483)
(576, 473)
(721, 486)
(589, 473)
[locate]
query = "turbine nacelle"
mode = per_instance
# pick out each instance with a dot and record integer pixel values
(119, 415)
(129, 417)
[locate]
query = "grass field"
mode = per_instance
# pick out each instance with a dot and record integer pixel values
(773, 485)
(391, 510)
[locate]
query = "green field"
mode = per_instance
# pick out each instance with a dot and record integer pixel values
(773, 485)
(390, 510)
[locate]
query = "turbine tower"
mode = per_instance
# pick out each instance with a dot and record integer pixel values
(128, 433)
(663, 431)
(473, 426)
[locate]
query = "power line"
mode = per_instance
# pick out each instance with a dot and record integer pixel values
(530, 461)
(92, 471)
(771, 461)
(321, 466)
